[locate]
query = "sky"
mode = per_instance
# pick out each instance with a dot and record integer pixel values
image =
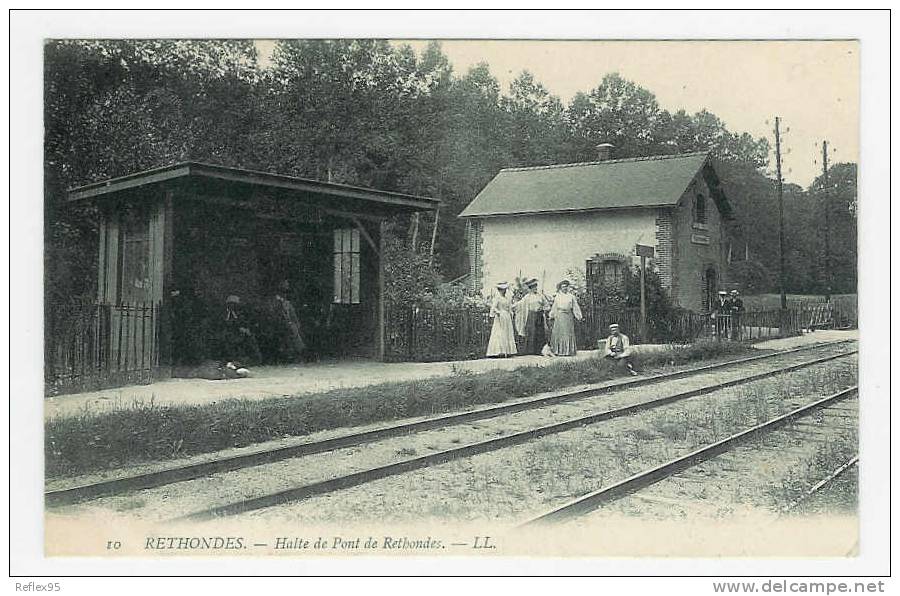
(813, 86)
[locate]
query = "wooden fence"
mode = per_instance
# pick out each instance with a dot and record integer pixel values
(427, 334)
(828, 315)
(101, 345)
(759, 324)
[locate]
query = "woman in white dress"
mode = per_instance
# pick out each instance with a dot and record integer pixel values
(563, 313)
(503, 338)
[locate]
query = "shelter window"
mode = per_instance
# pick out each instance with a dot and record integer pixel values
(135, 259)
(700, 209)
(346, 266)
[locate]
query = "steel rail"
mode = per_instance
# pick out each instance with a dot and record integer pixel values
(408, 465)
(822, 484)
(63, 496)
(181, 473)
(596, 499)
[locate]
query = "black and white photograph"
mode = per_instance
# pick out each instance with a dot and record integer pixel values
(416, 296)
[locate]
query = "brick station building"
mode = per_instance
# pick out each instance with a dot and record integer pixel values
(548, 220)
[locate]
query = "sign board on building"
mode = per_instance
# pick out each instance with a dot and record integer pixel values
(642, 250)
(699, 239)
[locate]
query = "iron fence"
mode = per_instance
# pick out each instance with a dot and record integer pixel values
(94, 346)
(429, 333)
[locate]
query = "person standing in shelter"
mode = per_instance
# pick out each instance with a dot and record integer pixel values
(190, 322)
(503, 338)
(530, 318)
(564, 312)
(288, 339)
(617, 348)
(737, 309)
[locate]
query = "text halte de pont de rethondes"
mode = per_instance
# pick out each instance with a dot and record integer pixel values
(290, 543)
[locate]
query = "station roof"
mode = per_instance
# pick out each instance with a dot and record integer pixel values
(641, 182)
(247, 181)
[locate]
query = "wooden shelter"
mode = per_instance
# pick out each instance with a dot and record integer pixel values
(220, 231)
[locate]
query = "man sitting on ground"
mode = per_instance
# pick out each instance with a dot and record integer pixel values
(617, 347)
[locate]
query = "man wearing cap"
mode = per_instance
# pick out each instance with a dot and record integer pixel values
(722, 314)
(737, 309)
(617, 347)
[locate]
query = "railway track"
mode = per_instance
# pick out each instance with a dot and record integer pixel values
(181, 473)
(822, 484)
(591, 502)
(394, 468)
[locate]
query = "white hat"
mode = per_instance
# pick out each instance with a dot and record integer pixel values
(502, 285)
(614, 326)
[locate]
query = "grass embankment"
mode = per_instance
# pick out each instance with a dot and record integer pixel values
(143, 431)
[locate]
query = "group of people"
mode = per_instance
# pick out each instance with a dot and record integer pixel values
(234, 335)
(727, 313)
(530, 317)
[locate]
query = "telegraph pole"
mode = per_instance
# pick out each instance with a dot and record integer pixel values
(780, 210)
(827, 190)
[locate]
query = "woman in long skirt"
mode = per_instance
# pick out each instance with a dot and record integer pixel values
(564, 312)
(530, 318)
(503, 338)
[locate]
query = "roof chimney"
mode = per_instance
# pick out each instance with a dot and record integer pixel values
(604, 150)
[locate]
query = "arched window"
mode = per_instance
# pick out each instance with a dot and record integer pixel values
(607, 271)
(700, 209)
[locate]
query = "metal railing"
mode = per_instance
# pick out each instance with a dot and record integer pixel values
(102, 345)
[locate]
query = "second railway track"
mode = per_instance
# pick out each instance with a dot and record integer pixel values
(184, 473)
(394, 468)
(593, 501)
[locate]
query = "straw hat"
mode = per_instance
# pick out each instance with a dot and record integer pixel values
(502, 285)
(564, 282)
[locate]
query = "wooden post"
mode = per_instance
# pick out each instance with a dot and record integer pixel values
(101, 257)
(380, 340)
(644, 251)
(643, 300)
(779, 188)
(829, 273)
(163, 241)
(434, 231)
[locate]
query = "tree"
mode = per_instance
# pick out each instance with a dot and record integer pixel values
(839, 199)
(617, 111)
(536, 122)
(372, 113)
(115, 106)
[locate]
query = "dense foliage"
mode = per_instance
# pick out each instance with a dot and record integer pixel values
(372, 113)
